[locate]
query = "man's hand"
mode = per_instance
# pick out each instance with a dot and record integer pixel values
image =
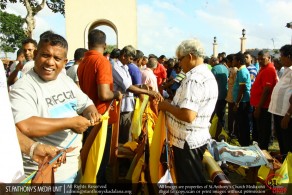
(94, 118)
(118, 95)
(156, 95)
(19, 66)
(257, 112)
(80, 124)
(92, 115)
(43, 150)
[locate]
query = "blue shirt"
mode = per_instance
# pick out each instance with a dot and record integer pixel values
(122, 81)
(221, 74)
(135, 74)
(242, 77)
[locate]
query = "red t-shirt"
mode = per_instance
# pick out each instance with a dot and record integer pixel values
(160, 73)
(266, 77)
(95, 69)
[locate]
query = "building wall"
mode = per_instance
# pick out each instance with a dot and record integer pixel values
(84, 15)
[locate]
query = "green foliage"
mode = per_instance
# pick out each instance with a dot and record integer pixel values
(109, 48)
(11, 32)
(55, 5)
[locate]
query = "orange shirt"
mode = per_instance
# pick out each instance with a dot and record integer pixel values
(95, 69)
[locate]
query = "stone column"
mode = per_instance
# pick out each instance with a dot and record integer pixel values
(242, 41)
(242, 44)
(215, 51)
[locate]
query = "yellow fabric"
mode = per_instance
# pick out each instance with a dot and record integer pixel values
(136, 125)
(132, 145)
(95, 153)
(223, 132)
(284, 174)
(158, 138)
(152, 118)
(137, 171)
(263, 172)
(213, 126)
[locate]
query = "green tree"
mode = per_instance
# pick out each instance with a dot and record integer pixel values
(11, 32)
(109, 48)
(33, 7)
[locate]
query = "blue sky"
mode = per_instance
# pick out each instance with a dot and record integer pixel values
(163, 24)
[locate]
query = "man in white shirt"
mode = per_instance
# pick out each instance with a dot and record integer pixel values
(188, 115)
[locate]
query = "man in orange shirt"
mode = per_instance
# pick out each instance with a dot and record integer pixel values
(96, 80)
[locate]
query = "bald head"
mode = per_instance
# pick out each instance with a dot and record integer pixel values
(152, 63)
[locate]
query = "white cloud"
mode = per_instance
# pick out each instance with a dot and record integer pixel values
(170, 7)
(155, 35)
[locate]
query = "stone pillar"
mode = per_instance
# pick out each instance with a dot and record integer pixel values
(242, 44)
(242, 41)
(215, 51)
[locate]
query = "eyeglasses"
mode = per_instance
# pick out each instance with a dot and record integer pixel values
(180, 59)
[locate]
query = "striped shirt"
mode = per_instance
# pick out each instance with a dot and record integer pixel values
(198, 92)
(252, 72)
(281, 93)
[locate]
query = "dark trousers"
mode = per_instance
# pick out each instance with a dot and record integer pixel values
(220, 112)
(243, 120)
(283, 135)
(264, 128)
(188, 164)
(232, 124)
(254, 126)
(125, 125)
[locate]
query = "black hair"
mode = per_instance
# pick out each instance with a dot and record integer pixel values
(139, 55)
(229, 57)
(79, 53)
(286, 50)
(19, 52)
(29, 40)
(240, 57)
(46, 33)
(115, 53)
(96, 37)
(53, 40)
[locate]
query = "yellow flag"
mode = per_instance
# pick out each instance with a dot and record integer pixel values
(95, 153)
(156, 148)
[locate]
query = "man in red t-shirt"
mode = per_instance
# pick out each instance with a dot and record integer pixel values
(96, 80)
(260, 97)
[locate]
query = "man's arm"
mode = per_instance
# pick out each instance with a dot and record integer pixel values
(13, 76)
(266, 91)
(106, 94)
(136, 90)
(40, 151)
(39, 127)
(180, 113)
(285, 121)
(242, 88)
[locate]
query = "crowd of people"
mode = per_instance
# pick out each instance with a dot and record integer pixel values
(55, 104)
